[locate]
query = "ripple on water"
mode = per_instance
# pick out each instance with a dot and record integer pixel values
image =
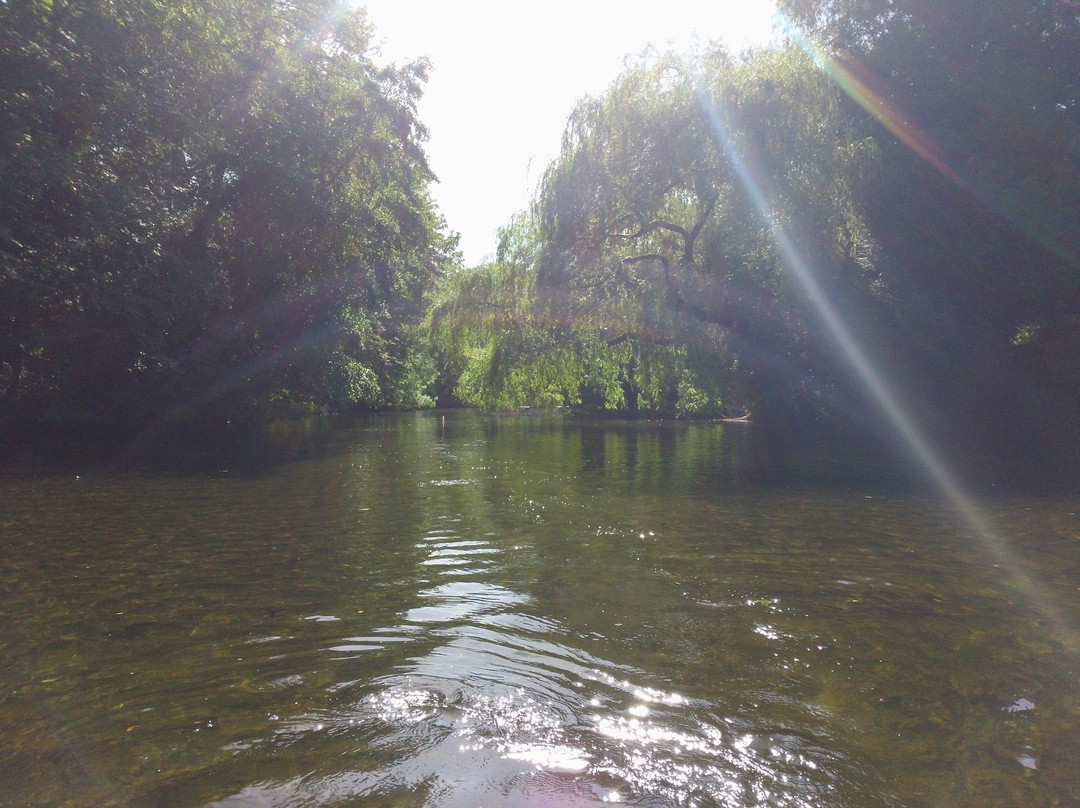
(502, 714)
(458, 600)
(503, 707)
(469, 746)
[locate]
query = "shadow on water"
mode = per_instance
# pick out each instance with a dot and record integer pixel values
(743, 455)
(181, 449)
(727, 456)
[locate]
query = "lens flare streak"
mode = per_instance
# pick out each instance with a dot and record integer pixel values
(928, 458)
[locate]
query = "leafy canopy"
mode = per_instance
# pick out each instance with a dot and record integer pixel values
(210, 208)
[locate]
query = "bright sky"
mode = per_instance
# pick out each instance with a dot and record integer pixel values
(507, 74)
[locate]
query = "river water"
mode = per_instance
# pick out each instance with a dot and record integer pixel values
(458, 610)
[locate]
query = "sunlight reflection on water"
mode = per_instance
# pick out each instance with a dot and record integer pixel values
(468, 745)
(497, 710)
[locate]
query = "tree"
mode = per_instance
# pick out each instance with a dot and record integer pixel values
(972, 200)
(502, 346)
(209, 208)
(661, 212)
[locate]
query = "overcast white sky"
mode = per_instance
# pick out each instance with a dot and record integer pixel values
(506, 75)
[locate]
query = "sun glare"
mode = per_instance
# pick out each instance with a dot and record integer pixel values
(506, 76)
(930, 461)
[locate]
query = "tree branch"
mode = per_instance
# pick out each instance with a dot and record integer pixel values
(689, 237)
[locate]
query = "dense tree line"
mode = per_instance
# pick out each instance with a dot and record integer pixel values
(897, 176)
(220, 210)
(209, 209)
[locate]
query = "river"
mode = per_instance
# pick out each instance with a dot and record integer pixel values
(458, 610)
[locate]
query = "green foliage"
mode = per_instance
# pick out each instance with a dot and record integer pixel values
(646, 276)
(916, 159)
(973, 199)
(651, 227)
(208, 209)
(502, 346)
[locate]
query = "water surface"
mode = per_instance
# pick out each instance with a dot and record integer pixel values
(458, 611)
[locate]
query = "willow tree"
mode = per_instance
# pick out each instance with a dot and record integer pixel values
(208, 207)
(501, 346)
(660, 217)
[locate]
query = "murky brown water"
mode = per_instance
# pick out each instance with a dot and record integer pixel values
(430, 610)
